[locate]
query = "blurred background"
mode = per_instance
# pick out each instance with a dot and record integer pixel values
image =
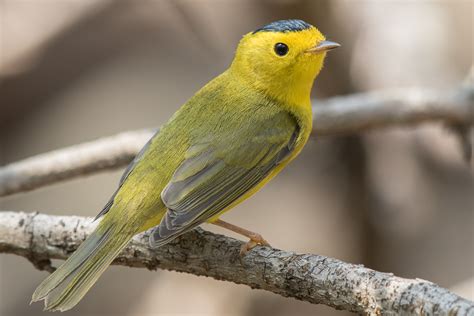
(399, 200)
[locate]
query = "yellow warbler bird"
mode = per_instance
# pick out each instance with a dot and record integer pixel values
(218, 149)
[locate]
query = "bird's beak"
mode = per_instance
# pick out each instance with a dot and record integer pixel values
(323, 46)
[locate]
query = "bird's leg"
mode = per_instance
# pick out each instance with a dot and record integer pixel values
(255, 239)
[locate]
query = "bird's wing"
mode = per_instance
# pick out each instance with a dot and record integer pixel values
(213, 175)
(124, 176)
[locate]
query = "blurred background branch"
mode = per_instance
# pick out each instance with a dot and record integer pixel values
(312, 278)
(366, 111)
(340, 115)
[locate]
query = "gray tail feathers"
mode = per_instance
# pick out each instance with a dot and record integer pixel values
(64, 288)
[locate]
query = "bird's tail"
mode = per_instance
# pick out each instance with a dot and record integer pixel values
(64, 288)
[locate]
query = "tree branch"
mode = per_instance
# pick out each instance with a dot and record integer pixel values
(312, 278)
(366, 111)
(106, 153)
(340, 115)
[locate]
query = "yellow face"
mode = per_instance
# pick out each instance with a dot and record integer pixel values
(283, 64)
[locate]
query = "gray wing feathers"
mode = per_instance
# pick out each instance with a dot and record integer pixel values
(285, 152)
(193, 173)
(204, 185)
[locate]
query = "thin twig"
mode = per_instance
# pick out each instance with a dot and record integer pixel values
(307, 277)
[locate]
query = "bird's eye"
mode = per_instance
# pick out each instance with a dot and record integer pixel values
(281, 49)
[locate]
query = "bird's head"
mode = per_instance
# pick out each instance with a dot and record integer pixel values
(282, 59)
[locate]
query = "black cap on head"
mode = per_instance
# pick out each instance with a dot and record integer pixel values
(284, 26)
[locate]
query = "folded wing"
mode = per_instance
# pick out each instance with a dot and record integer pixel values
(216, 173)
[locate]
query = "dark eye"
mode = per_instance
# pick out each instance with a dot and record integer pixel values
(281, 49)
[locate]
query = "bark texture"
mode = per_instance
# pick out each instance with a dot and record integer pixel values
(312, 278)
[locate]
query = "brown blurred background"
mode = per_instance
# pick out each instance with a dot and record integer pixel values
(398, 200)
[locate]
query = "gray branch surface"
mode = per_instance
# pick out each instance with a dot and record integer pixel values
(307, 277)
(339, 115)
(366, 111)
(106, 153)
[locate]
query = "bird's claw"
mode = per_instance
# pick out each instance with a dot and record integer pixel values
(255, 239)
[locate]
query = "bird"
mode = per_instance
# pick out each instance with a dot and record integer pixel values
(226, 142)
